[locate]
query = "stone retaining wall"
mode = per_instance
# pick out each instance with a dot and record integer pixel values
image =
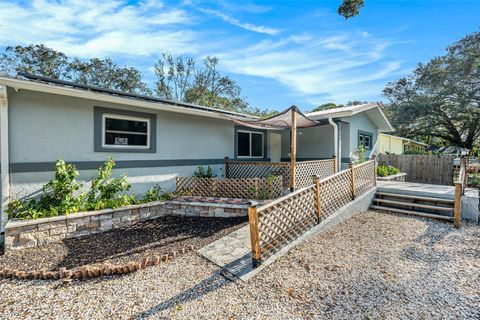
(400, 177)
(21, 234)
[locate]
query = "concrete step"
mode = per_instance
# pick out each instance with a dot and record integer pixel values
(405, 196)
(412, 212)
(412, 204)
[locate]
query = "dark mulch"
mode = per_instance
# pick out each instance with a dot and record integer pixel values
(118, 246)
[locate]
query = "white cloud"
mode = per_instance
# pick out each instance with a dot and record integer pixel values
(333, 68)
(243, 25)
(91, 28)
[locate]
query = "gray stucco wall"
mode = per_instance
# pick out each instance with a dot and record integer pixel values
(46, 127)
(361, 122)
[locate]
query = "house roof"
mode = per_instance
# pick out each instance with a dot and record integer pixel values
(406, 139)
(280, 121)
(67, 88)
(373, 111)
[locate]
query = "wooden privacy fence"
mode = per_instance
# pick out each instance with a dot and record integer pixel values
(304, 170)
(281, 221)
(243, 188)
(422, 168)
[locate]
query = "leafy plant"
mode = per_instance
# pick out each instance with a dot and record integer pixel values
(384, 171)
(155, 194)
(202, 173)
(267, 192)
(359, 155)
(58, 196)
(104, 189)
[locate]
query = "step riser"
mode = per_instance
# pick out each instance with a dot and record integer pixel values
(414, 213)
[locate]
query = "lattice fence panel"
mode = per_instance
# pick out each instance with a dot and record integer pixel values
(252, 169)
(364, 175)
(192, 186)
(248, 188)
(281, 222)
(335, 192)
(304, 171)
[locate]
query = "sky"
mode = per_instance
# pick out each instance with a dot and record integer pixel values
(281, 53)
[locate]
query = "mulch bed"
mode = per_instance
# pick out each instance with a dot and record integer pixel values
(122, 245)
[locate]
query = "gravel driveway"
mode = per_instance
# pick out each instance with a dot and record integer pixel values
(374, 266)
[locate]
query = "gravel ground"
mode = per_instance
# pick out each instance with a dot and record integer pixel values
(374, 266)
(122, 245)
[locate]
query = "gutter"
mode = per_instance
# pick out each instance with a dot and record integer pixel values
(4, 160)
(335, 142)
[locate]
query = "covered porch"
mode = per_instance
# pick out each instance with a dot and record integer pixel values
(288, 144)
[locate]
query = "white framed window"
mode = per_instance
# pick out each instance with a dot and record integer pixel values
(250, 144)
(126, 132)
(365, 140)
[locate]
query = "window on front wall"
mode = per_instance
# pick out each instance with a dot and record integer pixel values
(125, 132)
(365, 140)
(250, 144)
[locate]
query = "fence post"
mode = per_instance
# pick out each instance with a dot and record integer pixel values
(374, 158)
(213, 187)
(316, 181)
(351, 167)
(335, 163)
(254, 233)
(227, 168)
(457, 211)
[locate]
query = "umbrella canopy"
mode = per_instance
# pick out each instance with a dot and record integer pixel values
(283, 120)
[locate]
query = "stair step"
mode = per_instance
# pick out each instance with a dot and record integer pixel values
(411, 212)
(412, 204)
(405, 196)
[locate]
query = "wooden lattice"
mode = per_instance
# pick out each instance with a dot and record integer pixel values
(248, 188)
(364, 177)
(282, 221)
(335, 192)
(304, 171)
(256, 169)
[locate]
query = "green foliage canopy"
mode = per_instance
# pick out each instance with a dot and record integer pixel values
(441, 99)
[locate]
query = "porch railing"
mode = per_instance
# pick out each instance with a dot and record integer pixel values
(304, 170)
(280, 222)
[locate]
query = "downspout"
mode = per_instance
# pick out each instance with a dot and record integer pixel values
(4, 160)
(335, 142)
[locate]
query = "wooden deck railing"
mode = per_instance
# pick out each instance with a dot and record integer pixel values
(460, 186)
(304, 170)
(283, 220)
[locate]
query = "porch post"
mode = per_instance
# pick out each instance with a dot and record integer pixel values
(293, 148)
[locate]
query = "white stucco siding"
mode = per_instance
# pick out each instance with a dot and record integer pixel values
(46, 127)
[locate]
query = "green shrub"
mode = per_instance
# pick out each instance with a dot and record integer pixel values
(202, 173)
(104, 190)
(155, 194)
(384, 171)
(57, 198)
(360, 154)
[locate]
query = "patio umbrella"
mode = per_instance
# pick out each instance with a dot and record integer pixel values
(290, 118)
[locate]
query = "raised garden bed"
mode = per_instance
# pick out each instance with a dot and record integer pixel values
(400, 177)
(123, 245)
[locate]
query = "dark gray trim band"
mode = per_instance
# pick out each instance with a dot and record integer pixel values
(97, 129)
(121, 164)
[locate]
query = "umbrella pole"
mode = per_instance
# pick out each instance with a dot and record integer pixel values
(293, 149)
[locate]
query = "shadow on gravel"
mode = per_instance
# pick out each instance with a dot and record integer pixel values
(216, 280)
(157, 236)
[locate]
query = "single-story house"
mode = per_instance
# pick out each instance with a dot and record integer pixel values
(151, 139)
(352, 126)
(388, 144)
